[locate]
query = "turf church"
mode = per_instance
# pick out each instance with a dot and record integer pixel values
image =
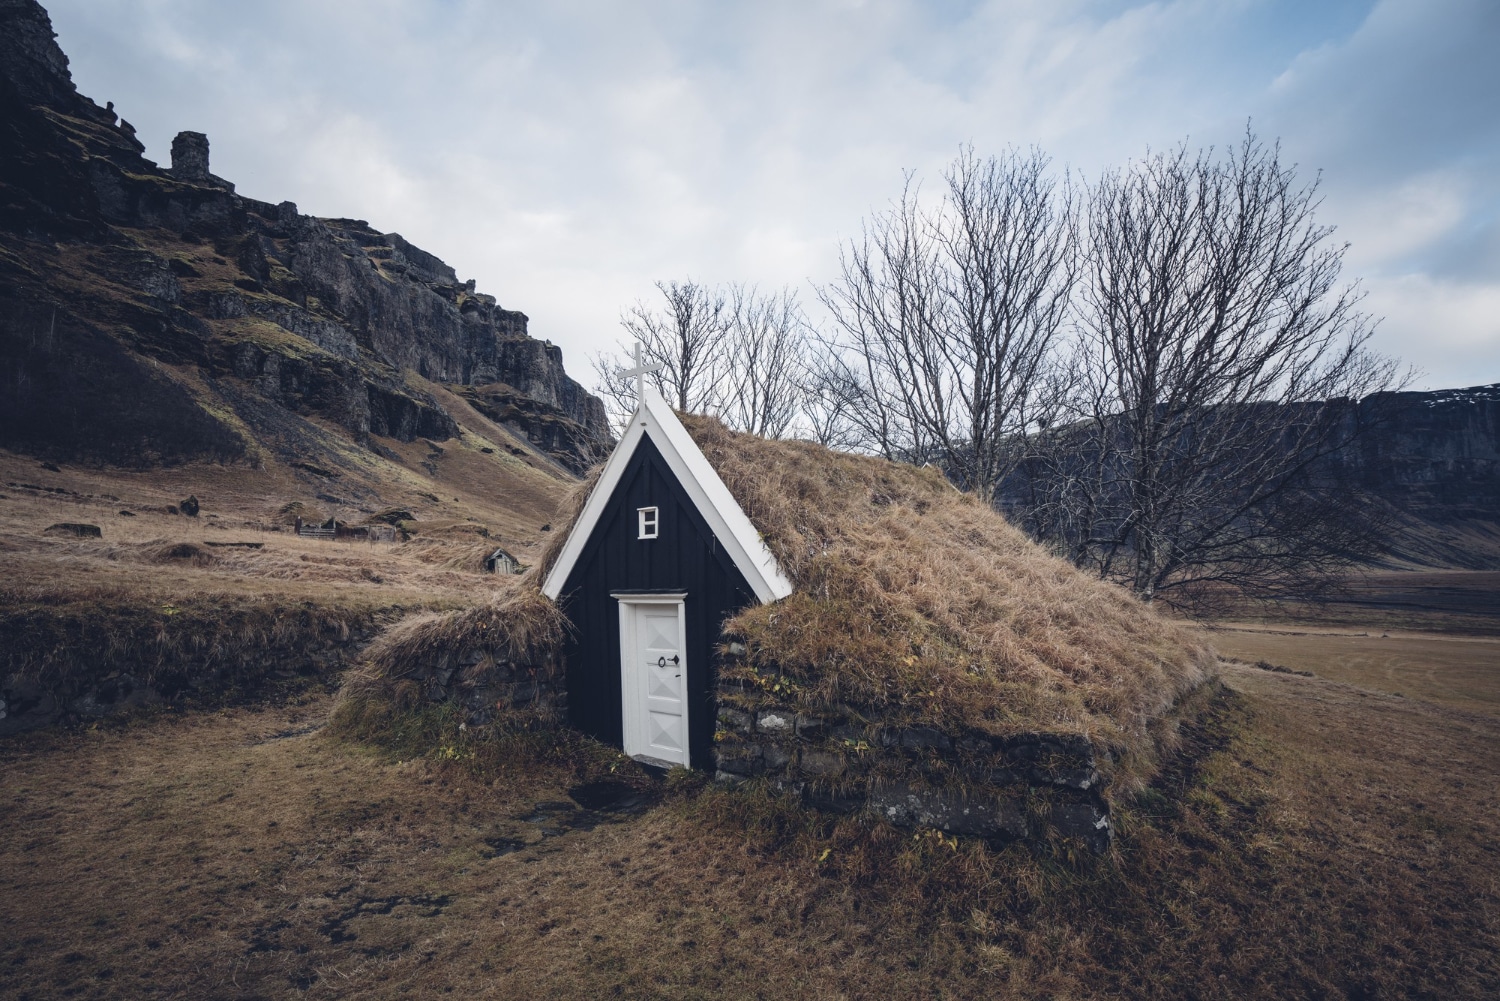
(659, 557)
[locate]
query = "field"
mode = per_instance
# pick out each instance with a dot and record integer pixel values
(1328, 836)
(1459, 671)
(1330, 839)
(232, 600)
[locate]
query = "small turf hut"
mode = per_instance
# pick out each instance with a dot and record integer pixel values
(852, 625)
(842, 626)
(658, 557)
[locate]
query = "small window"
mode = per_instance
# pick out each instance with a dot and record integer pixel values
(646, 520)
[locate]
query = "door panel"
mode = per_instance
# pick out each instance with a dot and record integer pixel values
(662, 664)
(655, 685)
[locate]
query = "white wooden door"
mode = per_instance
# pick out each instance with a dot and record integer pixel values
(654, 681)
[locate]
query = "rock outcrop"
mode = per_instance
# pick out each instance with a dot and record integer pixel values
(151, 315)
(1434, 452)
(1434, 459)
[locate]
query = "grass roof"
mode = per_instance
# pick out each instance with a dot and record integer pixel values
(915, 602)
(516, 623)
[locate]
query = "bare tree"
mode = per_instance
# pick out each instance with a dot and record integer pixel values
(614, 389)
(884, 303)
(727, 350)
(948, 317)
(1217, 356)
(767, 348)
(834, 399)
(686, 336)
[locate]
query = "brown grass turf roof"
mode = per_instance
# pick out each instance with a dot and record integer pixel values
(915, 601)
(517, 623)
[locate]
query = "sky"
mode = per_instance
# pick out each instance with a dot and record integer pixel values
(568, 154)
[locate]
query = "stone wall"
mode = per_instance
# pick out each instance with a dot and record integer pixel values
(85, 661)
(486, 684)
(1025, 786)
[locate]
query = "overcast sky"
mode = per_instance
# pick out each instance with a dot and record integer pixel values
(568, 154)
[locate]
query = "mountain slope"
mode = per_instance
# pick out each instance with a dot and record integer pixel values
(152, 316)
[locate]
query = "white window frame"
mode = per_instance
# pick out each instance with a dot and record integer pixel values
(648, 522)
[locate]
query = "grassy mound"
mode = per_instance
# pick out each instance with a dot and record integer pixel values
(916, 603)
(518, 623)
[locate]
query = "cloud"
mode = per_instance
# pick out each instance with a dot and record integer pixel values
(1460, 324)
(566, 155)
(1402, 118)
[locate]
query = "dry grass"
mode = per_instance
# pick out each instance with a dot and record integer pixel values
(229, 598)
(518, 624)
(1319, 841)
(914, 601)
(153, 556)
(1459, 671)
(568, 510)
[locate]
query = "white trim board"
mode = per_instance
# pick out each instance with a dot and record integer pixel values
(709, 495)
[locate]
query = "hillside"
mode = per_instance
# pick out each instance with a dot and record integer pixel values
(162, 338)
(1421, 472)
(1434, 459)
(154, 316)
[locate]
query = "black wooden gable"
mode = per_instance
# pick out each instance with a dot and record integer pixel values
(686, 556)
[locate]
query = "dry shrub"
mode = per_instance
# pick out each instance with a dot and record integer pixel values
(518, 624)
(310, 514)
(163, 551)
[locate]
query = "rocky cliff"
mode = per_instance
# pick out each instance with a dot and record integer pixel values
(1420, 471)
(1434, 459)
(153, 315)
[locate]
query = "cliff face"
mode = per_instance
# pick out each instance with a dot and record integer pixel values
(1435, 453)
(1425, 466)
(1434, 459)
(151, 315)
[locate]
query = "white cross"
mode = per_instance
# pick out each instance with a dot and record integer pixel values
(640, 371)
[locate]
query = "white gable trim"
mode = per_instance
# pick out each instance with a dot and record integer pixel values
(709, 495)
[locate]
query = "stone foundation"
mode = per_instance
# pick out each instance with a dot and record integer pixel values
(486, 685)
(1026, 786)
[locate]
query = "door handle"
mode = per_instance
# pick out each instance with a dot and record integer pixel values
(661, 661)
